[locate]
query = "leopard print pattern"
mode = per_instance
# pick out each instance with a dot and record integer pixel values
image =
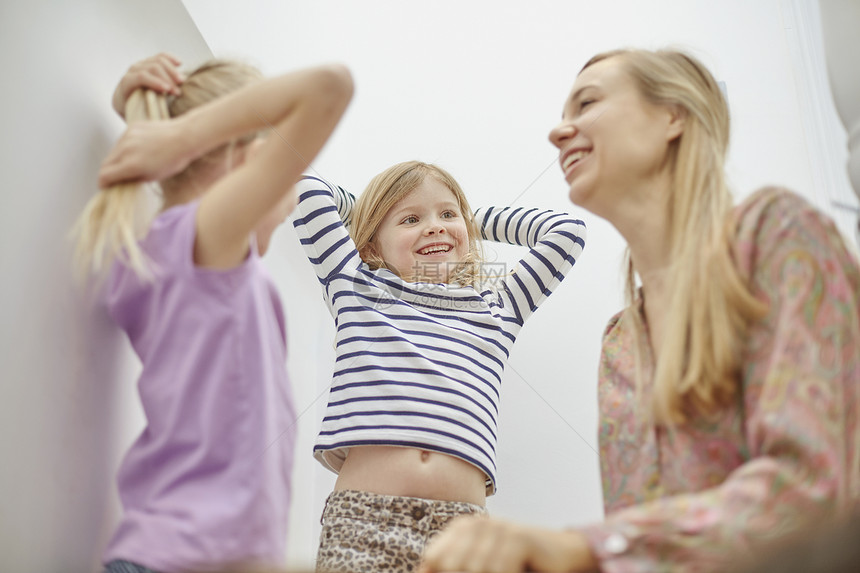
(366, 532)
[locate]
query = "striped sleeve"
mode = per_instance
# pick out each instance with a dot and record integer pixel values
(319, 222)
(344, 201)
(555, 240)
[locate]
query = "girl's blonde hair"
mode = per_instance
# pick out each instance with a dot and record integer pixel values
(698, 367)
(115, 219)
(389, 187)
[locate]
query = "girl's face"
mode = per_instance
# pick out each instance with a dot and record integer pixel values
(611, 140)
(423, 236)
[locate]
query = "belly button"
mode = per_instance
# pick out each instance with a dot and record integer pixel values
(425, 455)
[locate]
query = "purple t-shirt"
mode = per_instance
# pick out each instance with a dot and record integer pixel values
(207, 482)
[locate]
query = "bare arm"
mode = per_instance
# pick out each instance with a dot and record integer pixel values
(302, 109)
(159, 73)
(477, 544)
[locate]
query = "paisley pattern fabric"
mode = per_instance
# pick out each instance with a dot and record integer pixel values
(699, 497)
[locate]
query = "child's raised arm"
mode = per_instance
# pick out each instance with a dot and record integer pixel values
(302, 109)
(323, 212)
(159, 73)
(555, 240)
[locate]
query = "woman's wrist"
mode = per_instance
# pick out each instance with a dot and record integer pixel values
(571, 548)
(585, 558)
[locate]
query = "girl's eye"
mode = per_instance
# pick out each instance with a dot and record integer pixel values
(585, 102)
(411, 219)
(449, 214)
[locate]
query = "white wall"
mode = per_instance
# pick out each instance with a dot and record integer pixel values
(68, 407)
(838, 24)
(476, 86)
(824, 131)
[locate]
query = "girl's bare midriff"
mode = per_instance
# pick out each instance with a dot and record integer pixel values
(411, 472)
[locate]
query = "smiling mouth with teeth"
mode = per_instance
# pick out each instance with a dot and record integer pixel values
(433, 249)
(573, 158)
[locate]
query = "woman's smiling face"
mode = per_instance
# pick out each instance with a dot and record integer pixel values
(610, 139)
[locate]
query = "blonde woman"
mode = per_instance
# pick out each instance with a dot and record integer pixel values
(207, 482)
(423, 335)
(729, 388)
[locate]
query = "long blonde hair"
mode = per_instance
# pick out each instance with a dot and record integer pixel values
(115, 219)
(392, 185)
(698, 367)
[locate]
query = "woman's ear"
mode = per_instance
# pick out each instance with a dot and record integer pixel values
(677, 121)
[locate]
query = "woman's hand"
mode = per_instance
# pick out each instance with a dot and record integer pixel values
(148, 151)
(476, 544)
(159, 73)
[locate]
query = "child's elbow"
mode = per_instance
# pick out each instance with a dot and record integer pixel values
(336, 83)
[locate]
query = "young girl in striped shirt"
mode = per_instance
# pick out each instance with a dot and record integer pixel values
(423, 334)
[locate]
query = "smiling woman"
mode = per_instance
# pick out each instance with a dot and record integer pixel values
(729, 388)
(422, 340)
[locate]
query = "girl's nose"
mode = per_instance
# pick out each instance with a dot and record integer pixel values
(434, 228)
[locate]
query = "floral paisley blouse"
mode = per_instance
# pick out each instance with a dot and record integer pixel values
(702, 496)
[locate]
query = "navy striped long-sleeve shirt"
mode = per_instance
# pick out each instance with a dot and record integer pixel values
(420, 364)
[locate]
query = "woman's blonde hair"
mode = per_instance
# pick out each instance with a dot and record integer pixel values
(115, 219)
(389, 187)
(698, 367)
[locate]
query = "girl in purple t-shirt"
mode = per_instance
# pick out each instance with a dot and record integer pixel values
(206, 484)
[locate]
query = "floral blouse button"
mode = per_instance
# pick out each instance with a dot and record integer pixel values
(615, 544)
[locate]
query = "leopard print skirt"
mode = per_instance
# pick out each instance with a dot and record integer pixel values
(366, 532)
